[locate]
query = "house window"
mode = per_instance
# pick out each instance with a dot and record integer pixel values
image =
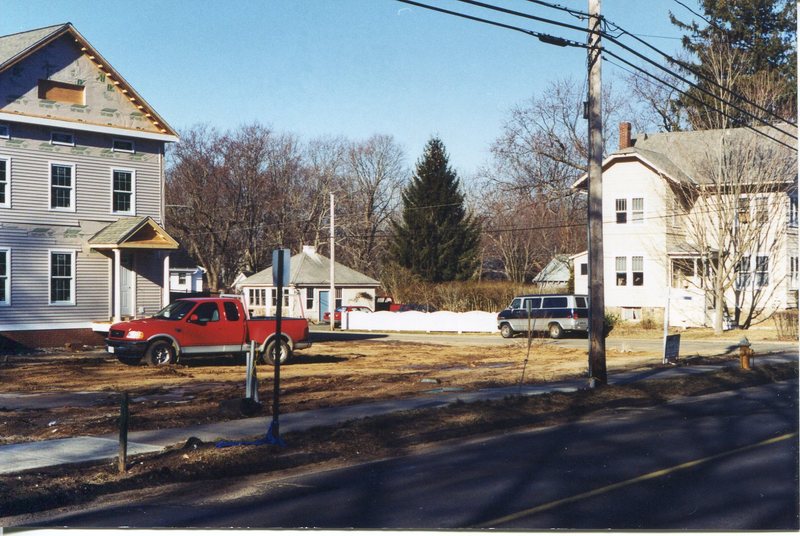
(744, 210)
(622, 271)
(637, 210)
(622, 210)
(5, 276)
(683, 272)
(61, 92)
(637, 271)
(122, 191)
(743, 272)
(309, 298)
(182, 279)
(5, 180)
(62, 138)
(794, 272)
(760, 209)
(584, 268)
(338, 297)
(62, 277)
(793, 209)
(285, 297)
(762, 271)
(5, 131)
(123, 146)
(62, 189)
(631, 314)
(257, 296)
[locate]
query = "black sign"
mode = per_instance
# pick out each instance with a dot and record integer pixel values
(672, 347)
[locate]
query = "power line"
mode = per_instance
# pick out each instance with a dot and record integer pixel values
(543, 37)
(652, 62)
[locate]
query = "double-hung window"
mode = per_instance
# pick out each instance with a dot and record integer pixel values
(743, 272)
(762, 271)
(5, 182)
(62, 277)
(5, 131)
(285, 297)
(621, 264)
(62, 187)
(122, 191)
(635, 207)
(794, 272)
(5, 276)
(793, 209)
(622, 210)
(309, 298)
(637, 271)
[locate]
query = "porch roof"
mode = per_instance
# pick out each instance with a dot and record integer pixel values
(140, 232)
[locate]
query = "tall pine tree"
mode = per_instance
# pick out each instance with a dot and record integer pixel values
(748, 47)
(436, 238)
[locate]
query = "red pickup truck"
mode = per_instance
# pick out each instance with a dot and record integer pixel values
(203, 326)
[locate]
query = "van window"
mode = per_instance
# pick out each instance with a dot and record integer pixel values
(555, 303)
(517, 303)
(532, 303)
(580, 301)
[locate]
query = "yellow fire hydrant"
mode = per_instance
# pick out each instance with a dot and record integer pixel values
(745, 354)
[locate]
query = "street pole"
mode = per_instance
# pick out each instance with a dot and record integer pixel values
(332, 291)
(597, 343)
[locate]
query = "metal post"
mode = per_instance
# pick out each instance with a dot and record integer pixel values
(277, 354)
(597, 344)
(123, 433)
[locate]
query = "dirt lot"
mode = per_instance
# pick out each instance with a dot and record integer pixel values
(327, 374)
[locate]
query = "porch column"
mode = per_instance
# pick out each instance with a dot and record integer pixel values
(117, 286)
(165, 288)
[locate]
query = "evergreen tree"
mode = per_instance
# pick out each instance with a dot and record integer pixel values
(435, 238)
(748, 47)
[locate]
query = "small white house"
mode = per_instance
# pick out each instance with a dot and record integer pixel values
(186, 279)
(308, 293)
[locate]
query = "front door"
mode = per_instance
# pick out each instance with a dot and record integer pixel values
(323, 302)
(127, 279)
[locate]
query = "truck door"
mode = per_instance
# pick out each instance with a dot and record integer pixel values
(204, 331)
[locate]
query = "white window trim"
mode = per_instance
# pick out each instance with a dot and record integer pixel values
(7, 135)
(116, 150)
(62, 143)
(132, 211)
(73, 189)
(794, 272)
(755, 271)
(630, 212)
(74, 254)
(793, 214)
(7, 160)
(7, 302)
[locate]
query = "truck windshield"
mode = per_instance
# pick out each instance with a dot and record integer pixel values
(175, 310)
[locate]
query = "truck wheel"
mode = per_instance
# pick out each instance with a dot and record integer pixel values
(285, 352)
(556, 331)
(506, 331)
(160, 353)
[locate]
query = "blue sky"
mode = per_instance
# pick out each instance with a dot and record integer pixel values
(339, 67)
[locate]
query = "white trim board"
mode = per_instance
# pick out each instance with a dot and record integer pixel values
(86, 127)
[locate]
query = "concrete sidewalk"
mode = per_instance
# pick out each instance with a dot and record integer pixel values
(40, 454)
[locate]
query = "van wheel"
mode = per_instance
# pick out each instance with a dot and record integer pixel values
(506, 331)
(556, 331)
(160, 353)
(284, 350)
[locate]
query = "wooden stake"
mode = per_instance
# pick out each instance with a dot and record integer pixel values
(123, 433)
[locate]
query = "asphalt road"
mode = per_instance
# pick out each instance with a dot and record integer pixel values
(722, 462)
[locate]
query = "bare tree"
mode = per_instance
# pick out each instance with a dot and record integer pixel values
(374, 176)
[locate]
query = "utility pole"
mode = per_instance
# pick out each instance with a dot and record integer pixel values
(597, 342)
(332, 291)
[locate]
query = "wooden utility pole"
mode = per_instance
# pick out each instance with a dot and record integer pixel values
(597, 342)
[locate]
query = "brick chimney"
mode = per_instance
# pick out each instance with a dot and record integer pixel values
(624, 135)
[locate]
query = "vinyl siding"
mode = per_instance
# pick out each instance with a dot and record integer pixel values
(30, 298)
(30, 153)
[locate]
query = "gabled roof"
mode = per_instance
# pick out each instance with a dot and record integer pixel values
(140, 232)
(16, 47)
(557, 270)
(310, 268)
(680, 156)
